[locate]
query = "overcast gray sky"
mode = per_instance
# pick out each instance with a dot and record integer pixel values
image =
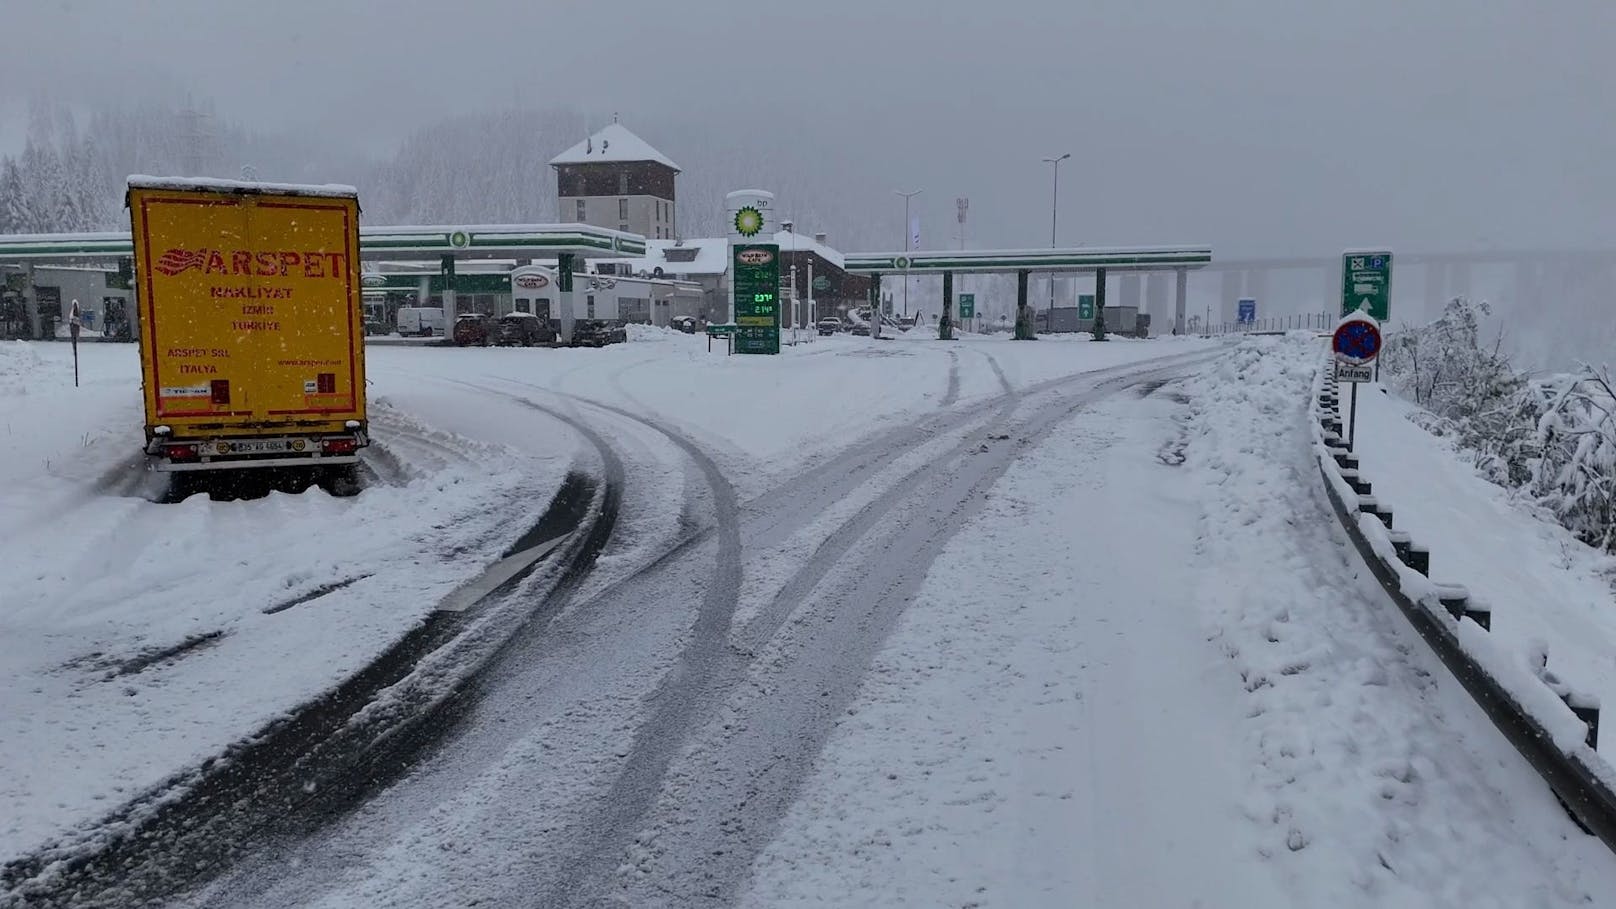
(1262, 126)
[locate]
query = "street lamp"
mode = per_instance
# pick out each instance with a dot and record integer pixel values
(906, 197)
(789, 225)
(1054, 211)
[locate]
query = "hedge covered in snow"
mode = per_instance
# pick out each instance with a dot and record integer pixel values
(1552, 438)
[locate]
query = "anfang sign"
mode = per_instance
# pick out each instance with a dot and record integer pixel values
(1352, 372)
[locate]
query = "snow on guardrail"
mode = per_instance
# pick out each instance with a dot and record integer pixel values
(1554, 726)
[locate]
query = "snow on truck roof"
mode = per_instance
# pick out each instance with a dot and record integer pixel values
(180, 184)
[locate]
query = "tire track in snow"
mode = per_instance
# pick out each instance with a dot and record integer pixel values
(728, 796)
(680, 697)
(756, 634)
(998, 371)
(952, 393)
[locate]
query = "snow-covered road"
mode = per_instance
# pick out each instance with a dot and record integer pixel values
(907, 623)
(1150, 674)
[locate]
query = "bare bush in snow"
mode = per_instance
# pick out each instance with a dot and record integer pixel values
(1552, 438)
(1575, 473)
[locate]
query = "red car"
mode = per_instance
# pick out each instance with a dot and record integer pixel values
(471, 328)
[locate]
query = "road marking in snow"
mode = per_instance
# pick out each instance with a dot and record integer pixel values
(468, 594)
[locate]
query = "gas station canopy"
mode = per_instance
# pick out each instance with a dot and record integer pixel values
(1080, 259)
(499, 241)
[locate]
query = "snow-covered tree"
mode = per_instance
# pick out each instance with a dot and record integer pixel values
(14, 212)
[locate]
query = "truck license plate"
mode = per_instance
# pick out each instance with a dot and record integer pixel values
(258, 446)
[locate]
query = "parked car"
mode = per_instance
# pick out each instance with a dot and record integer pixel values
(686, 324)
(471, 328)
(830, 326)
(522, 329)
(860, 328)
(375, 327)
(597, 333)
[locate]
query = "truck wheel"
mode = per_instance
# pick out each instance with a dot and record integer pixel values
(341, 482)
(181, 486)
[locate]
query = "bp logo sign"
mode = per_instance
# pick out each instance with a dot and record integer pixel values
(748, 221)
(460, 239)
(901, 262)
(373, 279)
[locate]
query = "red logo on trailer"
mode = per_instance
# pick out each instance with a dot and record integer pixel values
(265, 263)
(177, 260)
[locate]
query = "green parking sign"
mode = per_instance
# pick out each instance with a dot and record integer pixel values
(1366, 283)
(1085, 306)
(967, 306)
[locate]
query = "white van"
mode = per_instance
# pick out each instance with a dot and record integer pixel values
(421, 321)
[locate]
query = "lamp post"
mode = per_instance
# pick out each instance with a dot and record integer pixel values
(790, 229)
(906, 197)
(1054, 212)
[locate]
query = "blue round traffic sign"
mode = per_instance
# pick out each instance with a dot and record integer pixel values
(1357, 339)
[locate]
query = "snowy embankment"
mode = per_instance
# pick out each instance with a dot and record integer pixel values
(1550, 596)
(139, 639)
(1151, 671)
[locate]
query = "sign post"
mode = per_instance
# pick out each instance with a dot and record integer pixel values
(75, 319)
(721, 330)
(1356, 344)
(967, 307)
(757, 305)
(1366, 283)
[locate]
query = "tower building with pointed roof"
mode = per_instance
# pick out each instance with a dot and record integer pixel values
(615, 179)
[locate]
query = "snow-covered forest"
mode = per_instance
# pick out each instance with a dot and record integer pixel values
(476, 167)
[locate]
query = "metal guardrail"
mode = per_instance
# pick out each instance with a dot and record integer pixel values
(1534, 710)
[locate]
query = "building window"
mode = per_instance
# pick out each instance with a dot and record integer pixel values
(622, 184)
(622, 209)
(589, 306)
(580, 217)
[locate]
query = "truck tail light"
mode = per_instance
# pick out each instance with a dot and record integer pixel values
(221, 391)
(339, 446)
(180, 451)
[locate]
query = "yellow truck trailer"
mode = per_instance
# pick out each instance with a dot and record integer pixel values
(251, 325)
